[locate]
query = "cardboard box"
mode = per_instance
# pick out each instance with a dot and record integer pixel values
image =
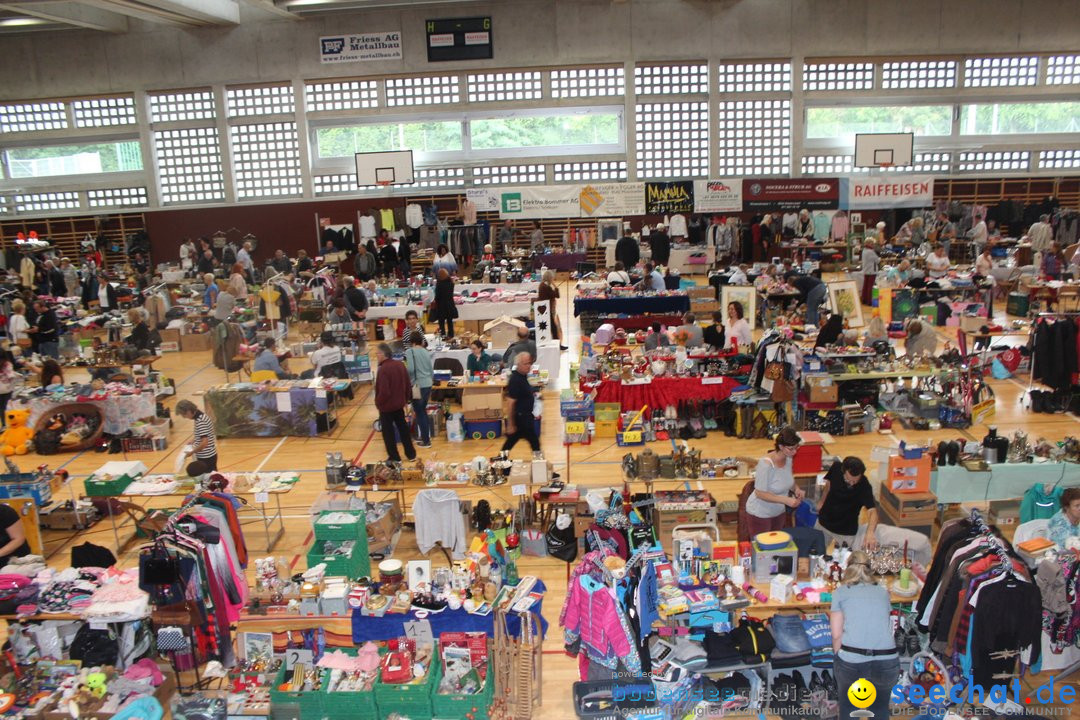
(822, 389)
(922, 526)
(163, 693)
(700, 292)
(169, 347)
(667, 520)
(381, 531)
(1005, 512)
(479, 396)
(195, 343)
(972, 324)
(909, 508)
(170, 335)
(908, 476)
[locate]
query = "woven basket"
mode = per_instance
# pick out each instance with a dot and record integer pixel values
(68, 410)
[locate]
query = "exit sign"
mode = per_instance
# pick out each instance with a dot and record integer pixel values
(459, 39)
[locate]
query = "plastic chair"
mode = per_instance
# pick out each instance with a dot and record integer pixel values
(263, 376)
(454, 366)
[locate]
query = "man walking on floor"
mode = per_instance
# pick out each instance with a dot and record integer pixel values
(393, 391)
(519, 419)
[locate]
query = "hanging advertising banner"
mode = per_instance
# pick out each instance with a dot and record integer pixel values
(712, 196)
(669, 197)
(545, 201)
(782, 194)
(890, 192)
(485, 199)
(612, 199)
(361, 47)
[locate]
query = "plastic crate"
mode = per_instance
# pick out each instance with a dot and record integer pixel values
(348, 705)
(107, 488)
(40, 490)
(452, 705)
(480, 429)
(347, 531)
(358, 564)
(310, 703)
(412, 700)
(576, 408)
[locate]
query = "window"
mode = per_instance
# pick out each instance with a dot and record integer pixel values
(1001, 71)
(117, 197)
(590, 171)
(426, 90)
(504, 86)
(267, 159)
(1019, 118)
(588, 82)
(92, 158)
(31, 117)
(671, 79)
(344, 142)
(183, 105)
(509, 174)
(1059, 159)
(924, 162)
(672, 140)
(439, 178)
(829, 165)
(1063, 70)
(38, 202)
(754, 137)
(994, 161)
(838, 76)
(755, 77)
(845, 122)
(538, 131)
(919, 74)
(104, 112)
(342, 95)
(271, 100)
(189, 165)
(328, 184)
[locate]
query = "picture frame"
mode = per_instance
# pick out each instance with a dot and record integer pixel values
(418, 573)
(256, 645)
(844, 299)
(745, 294)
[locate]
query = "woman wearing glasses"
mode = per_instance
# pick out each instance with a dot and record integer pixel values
(774, 486)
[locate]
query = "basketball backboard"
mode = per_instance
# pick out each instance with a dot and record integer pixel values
(875, 150)
(394, 167)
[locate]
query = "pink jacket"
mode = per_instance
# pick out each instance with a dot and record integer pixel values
(591, 613)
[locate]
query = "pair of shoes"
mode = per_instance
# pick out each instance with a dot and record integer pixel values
(421, 443)
(410, 459)
(564, 347)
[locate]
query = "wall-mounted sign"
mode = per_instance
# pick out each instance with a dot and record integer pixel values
(662, 198)
(459, 39)
(890, 192)
(542, 201)
(791, 194)
(717, 196)
(360, 47)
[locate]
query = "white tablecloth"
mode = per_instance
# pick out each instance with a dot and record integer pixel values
(548, 360)
(121, 411)
(466, 311)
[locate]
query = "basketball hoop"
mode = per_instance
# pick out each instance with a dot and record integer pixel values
(383, 183)
(884, 165)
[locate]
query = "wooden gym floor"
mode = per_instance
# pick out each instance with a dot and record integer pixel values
(595, 465)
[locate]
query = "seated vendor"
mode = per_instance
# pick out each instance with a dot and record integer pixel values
(937, 263)
(846, 493)
(267, 359)
(479, 361)
(1065, 523)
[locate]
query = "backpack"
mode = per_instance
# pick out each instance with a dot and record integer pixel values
(562, 544)
(94, 647)
(753, 640)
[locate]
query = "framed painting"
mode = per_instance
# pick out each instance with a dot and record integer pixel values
(744, 294)
(844, 299)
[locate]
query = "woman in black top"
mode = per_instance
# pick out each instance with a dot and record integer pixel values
(714, 334)
(831, 332)
(140, 331)
(12, 535)
(445, 309)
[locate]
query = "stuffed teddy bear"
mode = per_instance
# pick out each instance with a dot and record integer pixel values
(18, 438)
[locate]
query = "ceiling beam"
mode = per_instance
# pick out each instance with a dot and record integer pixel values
(71, 13)
(218, 12)
(270, 7)
(144, 12)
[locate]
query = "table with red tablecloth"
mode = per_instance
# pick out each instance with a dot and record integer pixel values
(664, 391)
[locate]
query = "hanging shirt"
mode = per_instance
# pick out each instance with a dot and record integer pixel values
(367, 226)
(822, 224)
(677, 226)
(468, 212)
(414, 216)
(790, 220)
(431, 215)
(386, 219)
(840, 225)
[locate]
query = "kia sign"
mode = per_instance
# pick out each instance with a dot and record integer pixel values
(891, 192)
(820, 193)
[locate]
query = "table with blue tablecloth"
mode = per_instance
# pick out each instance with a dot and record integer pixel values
(633, 305)
(1003, 481)
(389, 627)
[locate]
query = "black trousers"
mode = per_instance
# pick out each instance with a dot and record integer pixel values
(390, 420)
(446, 327)
(209, 462)
(526, 430)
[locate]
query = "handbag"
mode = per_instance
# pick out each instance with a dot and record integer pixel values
(561, 543)
(783, 390)
(774, 370)
(158, 567)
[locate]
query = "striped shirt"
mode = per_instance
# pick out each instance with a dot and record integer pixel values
(204, 428)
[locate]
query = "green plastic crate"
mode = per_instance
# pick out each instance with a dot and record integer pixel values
(334, 531)
(310, 703)
(348, 705)
(451, 706)
(412, 701)
(358, 564)
(107, 488)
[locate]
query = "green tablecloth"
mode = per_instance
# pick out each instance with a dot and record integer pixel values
(1001, 482)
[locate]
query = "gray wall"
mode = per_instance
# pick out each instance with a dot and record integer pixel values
(532, 33)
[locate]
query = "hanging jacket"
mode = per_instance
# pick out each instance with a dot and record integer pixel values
(1038, 504)
(593, 616)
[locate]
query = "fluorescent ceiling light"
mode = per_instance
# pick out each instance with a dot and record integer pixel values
(22, 21)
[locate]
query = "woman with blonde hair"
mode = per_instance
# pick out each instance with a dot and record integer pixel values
(862, 636)
(140, 331)
(211, 292)
(238, 283)
(18, 325)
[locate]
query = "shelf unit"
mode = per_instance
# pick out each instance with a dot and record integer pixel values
(66, 233)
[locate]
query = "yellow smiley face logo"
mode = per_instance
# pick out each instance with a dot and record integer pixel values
(862, 693)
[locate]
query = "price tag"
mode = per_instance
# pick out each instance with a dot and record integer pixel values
(262, 497)
(631, 436)
(517, 490)
(575, 428)
(294, 657)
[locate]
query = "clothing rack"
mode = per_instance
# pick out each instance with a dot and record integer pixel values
(1031, 373)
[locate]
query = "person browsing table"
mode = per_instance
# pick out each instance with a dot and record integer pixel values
(847, 491)
(204, 445)
(393, 391)
(774, 485)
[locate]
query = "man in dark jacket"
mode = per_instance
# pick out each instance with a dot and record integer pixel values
(519, 420)
(393, 391)
(628, 252)
(660, 244)
(364, 263)
(355, 300)
(281, 262)
(46, 330)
